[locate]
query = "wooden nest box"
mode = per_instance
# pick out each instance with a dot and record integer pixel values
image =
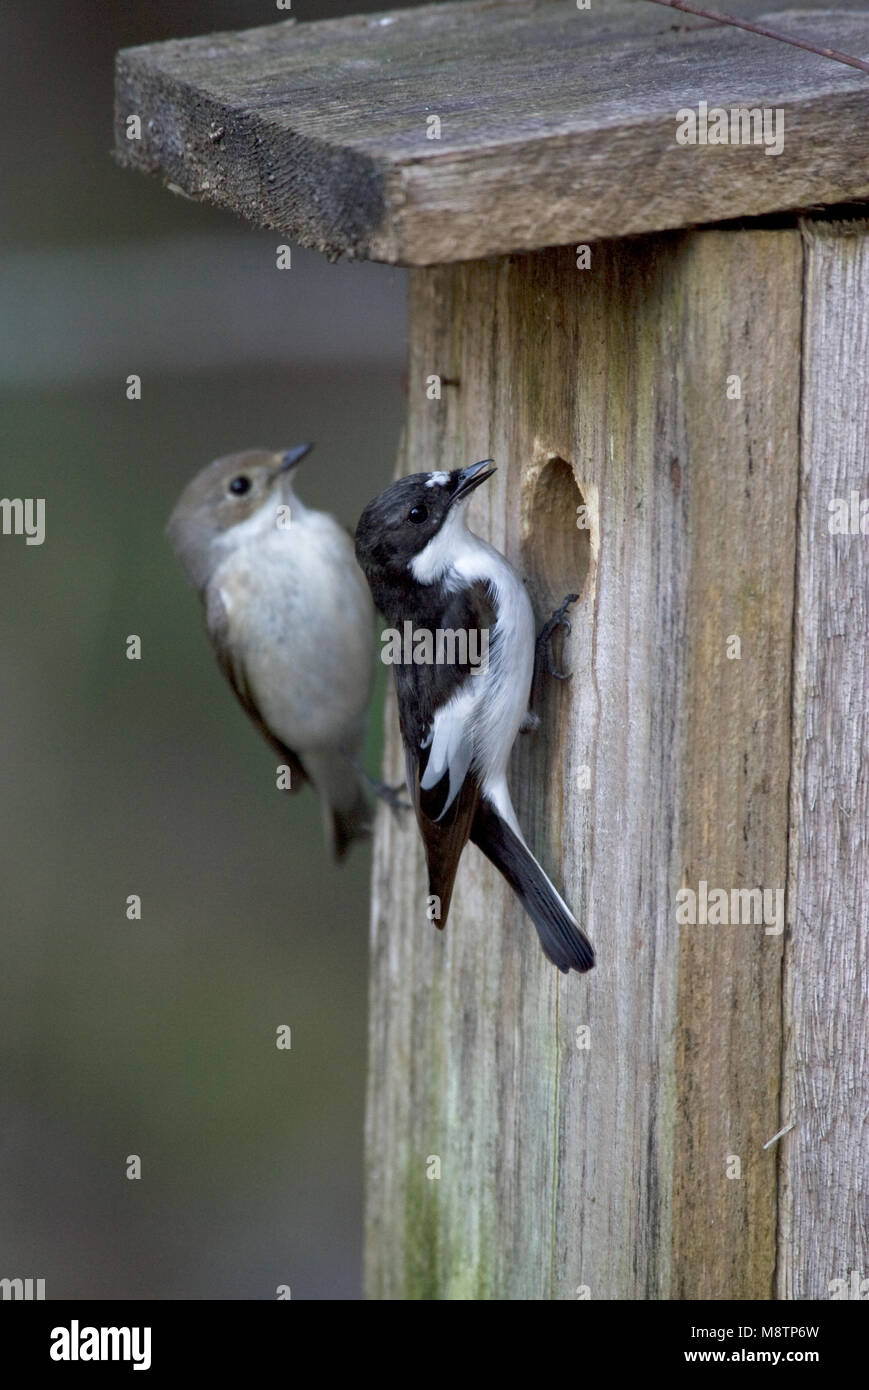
(664, 346)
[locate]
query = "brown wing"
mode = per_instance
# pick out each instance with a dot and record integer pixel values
(217, 627)
(443, 839)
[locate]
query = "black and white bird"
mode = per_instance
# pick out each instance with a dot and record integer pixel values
(290, 619)
(458, 723)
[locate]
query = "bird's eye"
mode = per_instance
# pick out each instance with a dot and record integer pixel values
(417, 515)
(240, 485)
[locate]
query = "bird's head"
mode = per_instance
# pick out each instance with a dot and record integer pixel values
(247, 487)
(412, 530)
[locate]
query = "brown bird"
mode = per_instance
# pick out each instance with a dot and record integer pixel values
(290, 619)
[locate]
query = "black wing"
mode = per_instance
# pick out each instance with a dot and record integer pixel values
(434, 702)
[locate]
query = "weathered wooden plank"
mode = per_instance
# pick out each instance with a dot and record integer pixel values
(742, 538)
(825, 1157)
(565, 1167)
(557, 124)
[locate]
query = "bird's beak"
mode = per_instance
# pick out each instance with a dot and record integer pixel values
(471, 477)
(291, 458)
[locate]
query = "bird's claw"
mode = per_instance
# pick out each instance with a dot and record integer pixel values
(390, 796)
(559, 619)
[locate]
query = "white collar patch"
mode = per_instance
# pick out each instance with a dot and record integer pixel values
(452, 548)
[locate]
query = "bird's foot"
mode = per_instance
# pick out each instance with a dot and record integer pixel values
(391, 796)
(544, 641)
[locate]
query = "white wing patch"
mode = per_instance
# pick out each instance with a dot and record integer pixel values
(451, 745)
(480, 723)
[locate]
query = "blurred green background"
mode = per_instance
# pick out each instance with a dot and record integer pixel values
(157, 1037)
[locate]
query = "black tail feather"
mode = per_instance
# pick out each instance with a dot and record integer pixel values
(562, 938)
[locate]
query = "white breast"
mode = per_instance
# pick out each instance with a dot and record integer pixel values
(301, 617)
(511, 669)
(493, 704)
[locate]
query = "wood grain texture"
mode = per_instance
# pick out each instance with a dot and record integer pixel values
(825, 1157)
(557, 125)
(566, 1168)
(742, 536)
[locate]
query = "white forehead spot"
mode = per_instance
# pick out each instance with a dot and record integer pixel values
(437, 479)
